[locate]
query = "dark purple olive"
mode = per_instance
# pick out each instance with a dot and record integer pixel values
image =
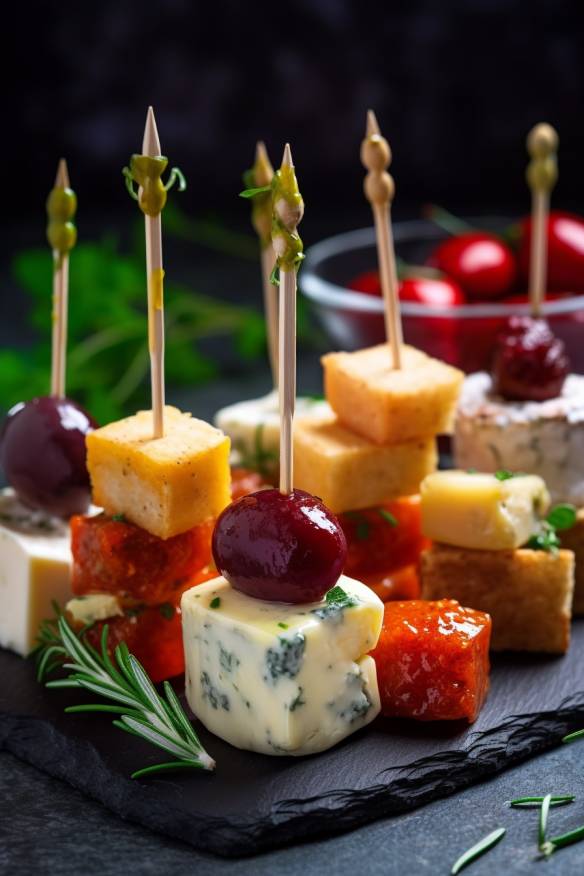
(42, 453)
(281, 548)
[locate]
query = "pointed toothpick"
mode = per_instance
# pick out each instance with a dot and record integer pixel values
(288, 209)
(155, 277)
(379, 191)
(62, 235)
(261, 174)
(542, 174)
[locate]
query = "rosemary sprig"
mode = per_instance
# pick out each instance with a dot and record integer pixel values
(477, 850)
(524, 802)
(142, 711)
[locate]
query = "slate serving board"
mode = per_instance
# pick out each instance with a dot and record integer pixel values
(253, 802)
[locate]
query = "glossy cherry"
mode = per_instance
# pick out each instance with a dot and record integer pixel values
(530, 362)
(565, 251)
(278, 547)
(42, 453)
(481, 263)
(435, 292)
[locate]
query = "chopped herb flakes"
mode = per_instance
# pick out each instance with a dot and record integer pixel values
(388, 517)
(283, 626)
(504, 475)
(119, 518)
(215, 603)
(560, 517)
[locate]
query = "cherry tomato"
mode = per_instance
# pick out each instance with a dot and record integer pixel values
(565, 251)
(381, 540)
(481, 263)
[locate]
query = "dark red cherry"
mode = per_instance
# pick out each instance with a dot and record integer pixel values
(281, 548)
(42, 453)
(530, 362)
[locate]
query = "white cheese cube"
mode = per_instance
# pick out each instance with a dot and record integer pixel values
(277, 678)
(254, 428)
(35, 570)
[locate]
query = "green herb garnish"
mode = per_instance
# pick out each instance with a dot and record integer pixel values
(477, 850)
(283, 626)
(572, 737)
(215, 603)
(388, 517)
(505, 475)
(543, 817)
(141, 710)
(537, 801)
(257, 190)
(565, 839)
(560, 517)
(362, 525)
(119, 518)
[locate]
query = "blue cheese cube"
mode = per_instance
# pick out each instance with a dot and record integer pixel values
(277, 678)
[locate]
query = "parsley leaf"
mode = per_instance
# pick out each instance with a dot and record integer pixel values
(562, 517)
(215, 603)
(504, 474)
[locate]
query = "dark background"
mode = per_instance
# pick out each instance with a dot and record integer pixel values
(456, 86)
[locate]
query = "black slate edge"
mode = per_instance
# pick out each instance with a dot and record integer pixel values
(400, 788)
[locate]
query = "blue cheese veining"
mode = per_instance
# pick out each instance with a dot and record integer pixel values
(278, 678)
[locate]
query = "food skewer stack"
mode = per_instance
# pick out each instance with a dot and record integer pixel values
(254, 425)
(161, 476)
(528, 414)
(388, 403)
(42, 455)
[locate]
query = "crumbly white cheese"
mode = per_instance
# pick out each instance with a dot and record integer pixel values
(35, 570)
(254, 426)
(544, 438)
(94, 607)
(276, 678)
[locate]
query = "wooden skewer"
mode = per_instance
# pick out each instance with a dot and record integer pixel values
(288, 212)
(263, 173)
(542, 174)
(379, 191)
(155, 279)
(60, 302)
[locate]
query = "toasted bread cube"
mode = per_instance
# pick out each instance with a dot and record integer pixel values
(433, 660)
(348, 472)
(165, 485)
(527, 593)
(481, 511)
(573, 540)
(387, 405)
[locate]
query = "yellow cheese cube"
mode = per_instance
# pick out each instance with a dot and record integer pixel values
(480, 511)
(527, 593)
(387, 405)
(165, 485)
(348, 472)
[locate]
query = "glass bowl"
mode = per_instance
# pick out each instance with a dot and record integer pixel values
(462, 335)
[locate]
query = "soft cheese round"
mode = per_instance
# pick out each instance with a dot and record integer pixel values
(544, 438)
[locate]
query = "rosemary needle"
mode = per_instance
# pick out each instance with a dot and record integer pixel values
(565, 839)
(560, 800)
(543, 817)
(571, 737)
(477, 850)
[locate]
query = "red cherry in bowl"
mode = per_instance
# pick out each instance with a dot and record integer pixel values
(431, 291)
(42, 453)
(278, 547)
(530, 362)
(482, 264)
